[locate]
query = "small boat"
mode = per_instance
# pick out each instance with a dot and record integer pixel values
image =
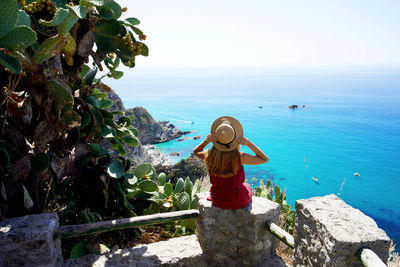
(315, 179)
(356, 174)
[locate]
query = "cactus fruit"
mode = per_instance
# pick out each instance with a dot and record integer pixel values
(43, 8)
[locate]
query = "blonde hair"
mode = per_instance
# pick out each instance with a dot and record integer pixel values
(222, 164)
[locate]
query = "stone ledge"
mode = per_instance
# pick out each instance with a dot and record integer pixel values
(28, 241)
(180, 251)
(329, 232)
(343, 222)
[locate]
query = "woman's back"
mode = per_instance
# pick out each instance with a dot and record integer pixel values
(230, 192)
(225, 163)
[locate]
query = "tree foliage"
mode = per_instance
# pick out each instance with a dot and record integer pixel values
(54, 112)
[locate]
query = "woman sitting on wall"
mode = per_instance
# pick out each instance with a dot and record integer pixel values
(225, 163)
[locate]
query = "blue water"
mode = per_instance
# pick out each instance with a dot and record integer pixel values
(350, 123)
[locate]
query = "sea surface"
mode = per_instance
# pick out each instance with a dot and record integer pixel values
(348, 122)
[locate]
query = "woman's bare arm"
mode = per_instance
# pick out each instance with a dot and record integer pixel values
(248, 159)
(198, 151)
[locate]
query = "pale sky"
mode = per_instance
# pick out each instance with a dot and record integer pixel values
(232, 33)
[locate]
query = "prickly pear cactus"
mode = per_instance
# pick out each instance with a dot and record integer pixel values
(61, 93)
(8, 16)
(10, 62)
(19, 37)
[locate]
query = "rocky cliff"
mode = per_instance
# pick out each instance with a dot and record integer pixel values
(150, 131)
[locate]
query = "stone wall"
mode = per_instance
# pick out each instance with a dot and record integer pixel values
(236, 237)
(328, 232)
(28, 241)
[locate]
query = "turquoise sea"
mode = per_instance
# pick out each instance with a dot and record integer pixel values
(350, 124)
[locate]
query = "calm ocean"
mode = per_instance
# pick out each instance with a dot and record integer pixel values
(350, 123)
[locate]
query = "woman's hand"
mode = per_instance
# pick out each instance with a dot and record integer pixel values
(209, 138)
(243, 141)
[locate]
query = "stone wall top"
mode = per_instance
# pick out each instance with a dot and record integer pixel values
(343, 222)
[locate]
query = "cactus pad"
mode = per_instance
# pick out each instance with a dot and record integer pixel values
(183, 201)
(162, 178)
(180, 184)
(8, 16)
(79, 11)
(148, 186)
(131, 141)
(10, 62)
(49, 48)
(115, 169)
(142, 170)
(92, 3)
(70, 119)
(59, 17)
(23, 19)
(62, 93)
(168, 189)
(133, 21)
(19, 37)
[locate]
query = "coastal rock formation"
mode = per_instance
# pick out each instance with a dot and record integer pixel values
(150, 131)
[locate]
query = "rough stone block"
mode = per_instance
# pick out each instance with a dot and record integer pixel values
(180, 251)
(328, 232)
(28, 241)
(236, 237)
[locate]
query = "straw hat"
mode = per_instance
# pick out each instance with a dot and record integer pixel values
(225, 130)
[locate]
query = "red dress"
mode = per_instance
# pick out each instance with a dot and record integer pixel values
(230, 192)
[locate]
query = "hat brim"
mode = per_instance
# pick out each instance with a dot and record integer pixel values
(236, 126)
